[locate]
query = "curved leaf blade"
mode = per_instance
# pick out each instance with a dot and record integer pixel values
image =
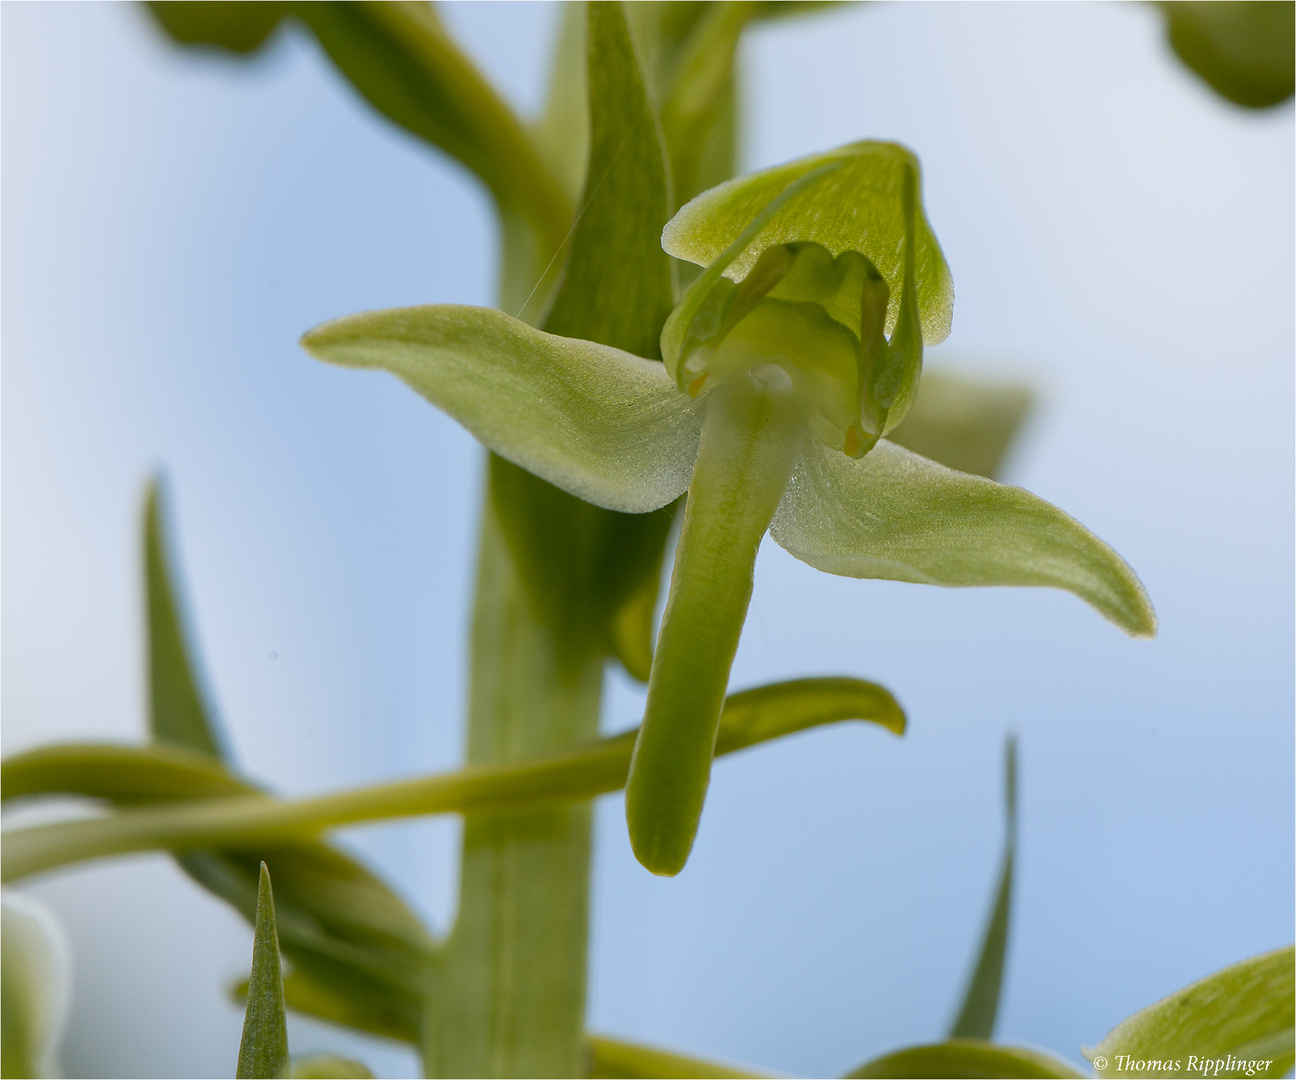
(1245, 1011)
(960, 1058)
(897, 516)
(118, 773)
(602, 424)
(976, 1017)
(178, 714)
(784, 708)
(857, 206)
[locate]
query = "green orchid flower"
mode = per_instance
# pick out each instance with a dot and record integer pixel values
(787, 361)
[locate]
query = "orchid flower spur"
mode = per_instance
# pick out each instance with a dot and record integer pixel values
(779, 385)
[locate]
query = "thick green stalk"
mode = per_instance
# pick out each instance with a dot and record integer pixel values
(754, 428)
(514, 1001)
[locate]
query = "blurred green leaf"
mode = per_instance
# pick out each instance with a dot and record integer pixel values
(750, 717)
(965, 1058)
(1246, 1011)
(338, 923)
(399, 56)
(125, 775)
(35, 985)
(562, 133)
(963, 424)
(898, 516)
(856, 205)
(342, 929)
(325, 1066)
(697, 109)
(602, 424)
(976, 1017)
(606, 1057)
(177, 713)
(377, 1015)
(263, 1050)
(1242, 48)
(238, 26)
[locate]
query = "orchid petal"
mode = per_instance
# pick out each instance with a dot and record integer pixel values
(898, 516)
(857, 206)
(602, 424)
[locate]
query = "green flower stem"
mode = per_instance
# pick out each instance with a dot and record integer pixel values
(754, 429)
(514, 976)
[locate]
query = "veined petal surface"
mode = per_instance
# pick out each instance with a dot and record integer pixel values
(895, 515)
(602, 424)
(856, 206)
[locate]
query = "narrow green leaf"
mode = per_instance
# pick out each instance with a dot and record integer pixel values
(234, 25)
(1217, 1026)
(35, 984)
(969, 1058)
(601, 424)
(263, 1050)
(750, 717)
(177, 713)
(324, 1066)
(963, 424)
(1242, 49)
(857, 206)
(399, 56)
(605, 1057)
(976, 1016)
(617, 287)
(898, 516)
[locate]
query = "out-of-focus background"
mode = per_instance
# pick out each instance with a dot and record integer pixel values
(1119, 237)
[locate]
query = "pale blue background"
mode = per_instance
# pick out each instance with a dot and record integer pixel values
(1117, 235)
